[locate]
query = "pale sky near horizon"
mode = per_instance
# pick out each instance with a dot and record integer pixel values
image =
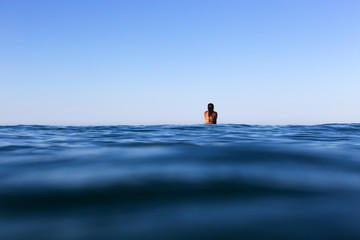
(89, 62)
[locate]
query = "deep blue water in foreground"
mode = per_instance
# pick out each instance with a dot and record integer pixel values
(180, 182)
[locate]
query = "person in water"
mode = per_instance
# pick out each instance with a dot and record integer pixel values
(210, 115)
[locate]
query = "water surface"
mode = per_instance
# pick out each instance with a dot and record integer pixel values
(180, 182)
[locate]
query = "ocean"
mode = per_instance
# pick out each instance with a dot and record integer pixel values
(226, 181)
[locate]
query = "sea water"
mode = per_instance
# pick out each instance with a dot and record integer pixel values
(180, 182)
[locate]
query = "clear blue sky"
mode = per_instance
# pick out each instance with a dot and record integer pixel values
(80, 62)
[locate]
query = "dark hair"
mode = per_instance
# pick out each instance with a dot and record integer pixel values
(210, 109)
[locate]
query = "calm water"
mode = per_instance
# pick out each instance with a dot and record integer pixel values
(180, 182)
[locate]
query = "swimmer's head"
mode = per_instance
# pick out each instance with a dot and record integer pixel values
(210, 107)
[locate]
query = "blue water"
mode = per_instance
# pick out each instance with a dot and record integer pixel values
(180, 182)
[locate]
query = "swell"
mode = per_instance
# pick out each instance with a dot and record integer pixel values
(123, 195)
(173, 173)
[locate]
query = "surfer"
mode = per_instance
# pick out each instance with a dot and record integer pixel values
(210, 115)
